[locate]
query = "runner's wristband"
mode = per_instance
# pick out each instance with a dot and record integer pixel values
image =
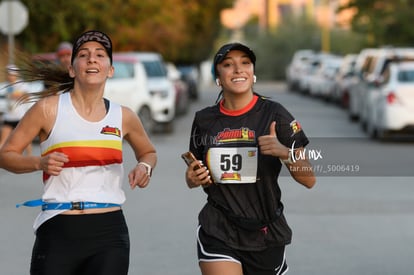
(289, 160)
(148, 167)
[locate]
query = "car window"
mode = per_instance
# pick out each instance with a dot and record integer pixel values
(154, 69)
(386, 75)
(123, 69)
(406, 76)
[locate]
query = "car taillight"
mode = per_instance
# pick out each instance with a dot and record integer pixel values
(391, 98)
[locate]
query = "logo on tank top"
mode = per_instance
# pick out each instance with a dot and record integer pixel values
(235, 135)
(108, 130)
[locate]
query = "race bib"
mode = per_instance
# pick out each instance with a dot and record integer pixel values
(232, 165)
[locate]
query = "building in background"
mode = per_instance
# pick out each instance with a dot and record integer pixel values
(272, 12)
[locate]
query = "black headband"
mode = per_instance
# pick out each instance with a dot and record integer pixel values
(93, 35)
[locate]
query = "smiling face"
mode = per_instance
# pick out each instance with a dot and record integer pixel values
(91, 64)
(235, 73)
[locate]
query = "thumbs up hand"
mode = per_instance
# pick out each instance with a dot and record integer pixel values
(270, 145)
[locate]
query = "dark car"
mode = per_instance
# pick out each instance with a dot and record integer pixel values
(182, 96)
(189, 74)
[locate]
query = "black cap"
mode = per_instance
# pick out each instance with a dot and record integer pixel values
(92, 35)
(225, 49)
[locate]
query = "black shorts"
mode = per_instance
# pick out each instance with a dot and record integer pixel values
(271, 261)
(82, 244)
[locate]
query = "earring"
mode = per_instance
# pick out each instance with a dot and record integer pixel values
(254, 79)
(218, 82)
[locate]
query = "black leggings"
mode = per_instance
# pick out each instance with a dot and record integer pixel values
(82, 244)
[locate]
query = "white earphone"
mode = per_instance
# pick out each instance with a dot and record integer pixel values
(254, 79)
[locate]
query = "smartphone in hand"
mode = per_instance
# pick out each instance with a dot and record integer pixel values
(189, 158)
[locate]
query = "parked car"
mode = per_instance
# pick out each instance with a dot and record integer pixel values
(363, 66)
(3, 99)
(393, 111)
(380, 62)
(182, 95)
(161, 89)
(190, 75)
(309, 70)
(130, 87)
(322, 82)
(344, 79)
(306, 73)
(45, 58)
(299, 63)
(35, 86)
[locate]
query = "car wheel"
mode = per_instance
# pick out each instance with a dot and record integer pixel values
(353, 117)
(383, 134)
(371, 130)
(163, 127)
(183, 104)
(364, 125)
(146, 119)
(345, 100)
(193, 91)
(168, 127)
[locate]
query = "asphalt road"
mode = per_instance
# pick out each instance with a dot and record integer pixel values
(351, 222)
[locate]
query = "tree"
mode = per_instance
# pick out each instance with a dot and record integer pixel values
(384, 22)
(181, 30)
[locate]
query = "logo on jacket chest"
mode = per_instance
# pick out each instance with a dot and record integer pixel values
(228, 135)
(108, 130)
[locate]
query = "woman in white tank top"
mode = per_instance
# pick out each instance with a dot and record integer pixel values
(81, 136)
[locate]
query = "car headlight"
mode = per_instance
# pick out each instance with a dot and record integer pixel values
(160, 93)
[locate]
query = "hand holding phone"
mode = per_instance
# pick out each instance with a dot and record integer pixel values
(189, 158)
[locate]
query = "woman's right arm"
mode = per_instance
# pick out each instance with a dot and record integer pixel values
(37, 121)
(198, 177)
(196, 173)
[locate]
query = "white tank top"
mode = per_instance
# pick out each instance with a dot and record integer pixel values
(94, 172)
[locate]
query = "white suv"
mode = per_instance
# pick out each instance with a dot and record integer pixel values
(161, 89)
(134, 86)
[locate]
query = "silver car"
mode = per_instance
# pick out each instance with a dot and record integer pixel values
(393, 110)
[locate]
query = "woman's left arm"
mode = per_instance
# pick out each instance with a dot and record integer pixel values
(300, 169)
(145, 153)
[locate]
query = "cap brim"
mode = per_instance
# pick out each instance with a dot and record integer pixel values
(224, 51)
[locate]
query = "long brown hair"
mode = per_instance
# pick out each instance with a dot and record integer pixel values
(54, 76)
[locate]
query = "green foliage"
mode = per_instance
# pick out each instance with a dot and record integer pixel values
(344, 42)
(275, 49)
(384, 22)
(183, 31)
(189, 31)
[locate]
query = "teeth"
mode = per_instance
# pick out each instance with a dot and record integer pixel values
(92, 71)
(238, 79)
